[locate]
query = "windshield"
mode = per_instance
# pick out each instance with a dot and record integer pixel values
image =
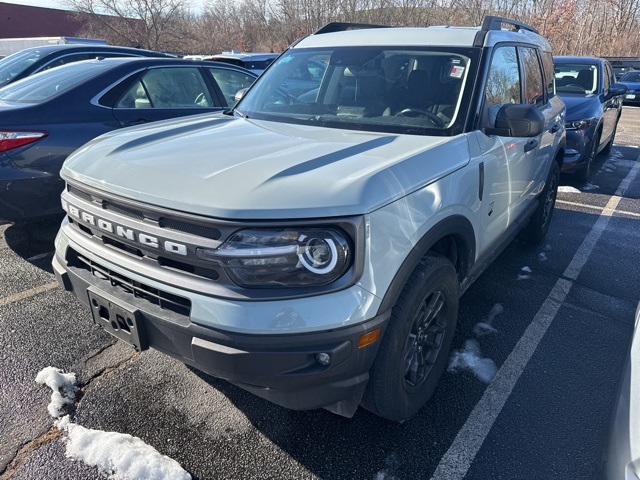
(576, 78)
(14, 65)
(631, 77)
(415, 91)
(45, 85)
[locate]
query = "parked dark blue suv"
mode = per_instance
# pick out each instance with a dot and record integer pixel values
(594, 105)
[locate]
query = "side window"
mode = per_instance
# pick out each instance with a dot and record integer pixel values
(76, 57)
(533, 87)
(547, 66)
(135, 97)
(607, 77)
(230, 82)
(179, 87)
(503, 83)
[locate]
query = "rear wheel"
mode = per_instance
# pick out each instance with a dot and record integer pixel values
(415, 347)
(539, 222)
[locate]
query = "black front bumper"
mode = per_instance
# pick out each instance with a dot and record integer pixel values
(280, 368)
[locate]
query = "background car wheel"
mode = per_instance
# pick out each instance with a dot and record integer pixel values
(584, 174)
(609, 146)
(415, 348)
(538, 225)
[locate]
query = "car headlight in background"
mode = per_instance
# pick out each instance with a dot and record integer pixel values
(579, 124)
(283, 258)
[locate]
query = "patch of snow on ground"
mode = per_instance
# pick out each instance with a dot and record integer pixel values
(526, 269)
(616, 154)
(542, 257)
(470, 358)
(568, 189)
(63, 386)
(119, 455)
(523, 277)
(590, 186)
(486, 326)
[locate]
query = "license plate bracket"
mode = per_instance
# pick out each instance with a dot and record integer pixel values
(117, 318)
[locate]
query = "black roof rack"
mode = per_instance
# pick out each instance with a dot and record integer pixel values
(495, 23)
(343, 26)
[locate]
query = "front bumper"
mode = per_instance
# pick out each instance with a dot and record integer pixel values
(280, 367)
(578, 142)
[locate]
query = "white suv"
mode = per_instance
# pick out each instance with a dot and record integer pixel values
(312, 248)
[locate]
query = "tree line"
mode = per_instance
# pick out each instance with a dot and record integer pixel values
(574, 27)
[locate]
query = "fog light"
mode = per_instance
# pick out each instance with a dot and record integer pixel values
(323, 359)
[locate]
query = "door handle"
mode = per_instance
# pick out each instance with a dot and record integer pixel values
(530, 145)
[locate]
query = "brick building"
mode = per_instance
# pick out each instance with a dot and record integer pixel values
(20, 21)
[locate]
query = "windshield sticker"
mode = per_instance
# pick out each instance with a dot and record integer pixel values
(456, 71)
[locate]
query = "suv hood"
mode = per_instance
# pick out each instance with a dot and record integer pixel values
(235, 168)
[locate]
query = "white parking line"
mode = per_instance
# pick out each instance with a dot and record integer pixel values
(455, 463)
(27, 293)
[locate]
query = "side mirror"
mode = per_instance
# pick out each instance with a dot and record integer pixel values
(517, 120)
(616, 89)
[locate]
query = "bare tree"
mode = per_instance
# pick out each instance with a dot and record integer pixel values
(154, 24)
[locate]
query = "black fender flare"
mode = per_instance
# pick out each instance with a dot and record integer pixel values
(457, 226)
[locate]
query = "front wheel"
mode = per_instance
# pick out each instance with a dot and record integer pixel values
(415, 347)
(539, 222)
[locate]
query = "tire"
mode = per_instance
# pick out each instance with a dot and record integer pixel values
(415, 348)
(538, 225)
(586, 171)
(607, 149)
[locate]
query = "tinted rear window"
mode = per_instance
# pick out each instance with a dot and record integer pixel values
(46, 85)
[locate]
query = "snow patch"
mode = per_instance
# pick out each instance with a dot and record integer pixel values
(568, 189)
(486, 326)
(590, 186)
(523, 277)
(470, 358)
(63, 386)
(542, 257)
(526, 269)
(616, 154)
(119, 455)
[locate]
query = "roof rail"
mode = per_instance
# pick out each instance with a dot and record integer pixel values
(343, 26)
(495, 23)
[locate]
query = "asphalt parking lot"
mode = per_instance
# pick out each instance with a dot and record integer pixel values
(535, 401)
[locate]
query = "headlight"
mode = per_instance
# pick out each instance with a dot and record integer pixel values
(579, 124)
(282, 258)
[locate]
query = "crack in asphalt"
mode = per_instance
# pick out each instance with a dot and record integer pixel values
(26, 449)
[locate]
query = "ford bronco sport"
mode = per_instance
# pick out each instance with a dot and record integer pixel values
(312, 248)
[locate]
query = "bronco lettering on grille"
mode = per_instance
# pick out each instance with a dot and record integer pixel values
(126, 232)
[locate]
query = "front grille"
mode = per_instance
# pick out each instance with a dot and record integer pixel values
(127, 212)
(127, 286)
(200, 230)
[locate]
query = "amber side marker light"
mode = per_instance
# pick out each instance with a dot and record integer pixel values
(369, 338)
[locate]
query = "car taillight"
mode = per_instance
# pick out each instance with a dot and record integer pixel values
(13, 139)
